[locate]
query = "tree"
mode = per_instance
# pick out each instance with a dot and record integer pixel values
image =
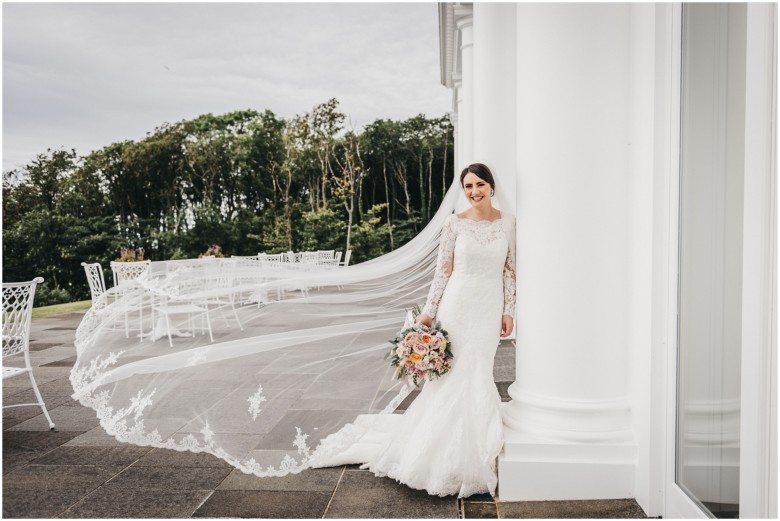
(246, 180)
(349, 179)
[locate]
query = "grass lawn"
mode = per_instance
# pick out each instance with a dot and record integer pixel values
(60, 309)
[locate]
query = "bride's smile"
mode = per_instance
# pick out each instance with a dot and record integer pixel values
(477, 190)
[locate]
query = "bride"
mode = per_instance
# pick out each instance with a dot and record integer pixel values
(273, 366)
(448, 439)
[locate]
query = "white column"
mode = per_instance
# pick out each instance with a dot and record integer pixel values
(464, 21)
(457, 122)
(494, 97)
(569, 433)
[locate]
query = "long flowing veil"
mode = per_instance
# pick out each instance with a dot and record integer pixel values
(296, 353)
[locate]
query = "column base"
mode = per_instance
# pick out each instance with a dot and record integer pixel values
(533, 469)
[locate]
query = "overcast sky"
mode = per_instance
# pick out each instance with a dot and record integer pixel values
(86, 75)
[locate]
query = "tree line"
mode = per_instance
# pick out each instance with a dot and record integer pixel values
(248, 181)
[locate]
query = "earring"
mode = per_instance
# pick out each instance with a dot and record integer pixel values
(492, 193)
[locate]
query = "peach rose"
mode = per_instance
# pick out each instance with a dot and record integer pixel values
(415, 357)
(421, 349)
(426, 338)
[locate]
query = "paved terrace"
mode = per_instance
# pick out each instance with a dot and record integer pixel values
(78, 471)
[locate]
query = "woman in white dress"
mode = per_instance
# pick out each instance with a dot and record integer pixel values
(448, 439)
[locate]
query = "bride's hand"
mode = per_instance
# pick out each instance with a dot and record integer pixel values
(507, 325)
(426, 320)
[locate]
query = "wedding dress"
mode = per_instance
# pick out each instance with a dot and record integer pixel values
(448, 439)
(268, 361)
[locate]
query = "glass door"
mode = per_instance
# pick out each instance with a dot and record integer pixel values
(712, 148)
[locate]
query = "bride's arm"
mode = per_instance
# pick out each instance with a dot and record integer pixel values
(509, 275)
(444, 264)
(510, 278)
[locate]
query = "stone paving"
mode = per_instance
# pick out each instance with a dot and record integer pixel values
(77, 471)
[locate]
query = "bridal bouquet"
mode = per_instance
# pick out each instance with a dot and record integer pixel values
(420, 352)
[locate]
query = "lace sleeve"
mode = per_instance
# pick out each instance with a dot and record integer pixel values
(509, 274)
(444, 264)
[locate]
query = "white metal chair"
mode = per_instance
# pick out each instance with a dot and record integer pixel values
(17, 313)
(272, 258)
(325, 257)
(309, 257)
(250, 270)
(96, 281)
(333, 261)
(346, 258)
(185, 299)
(98, 292)
(226, 286)
(125, 276)
(169, 308)
(125, 272)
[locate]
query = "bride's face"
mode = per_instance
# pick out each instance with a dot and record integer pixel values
(477, 190)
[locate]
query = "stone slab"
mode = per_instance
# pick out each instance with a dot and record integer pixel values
(480, 498)
(113, 503)
(264, 504)
(46, 491)
(174, 458)
(363, 495)
(65, 455)
(189, 478)
(283, 434)
(503, 390)
(65, 418)
(51, 399)
(20, 448)
(408, 401)
(37, 502)
(311, 480)
(95, 437)
(479, 510)
(36, 441)
(40, 346)
(60, 363)
(18, 415)
(579, 509)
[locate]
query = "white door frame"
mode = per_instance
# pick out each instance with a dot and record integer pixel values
(675, 503)
(758, 455)
(758, 421)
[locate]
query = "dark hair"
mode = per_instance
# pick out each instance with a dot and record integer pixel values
(481, 171)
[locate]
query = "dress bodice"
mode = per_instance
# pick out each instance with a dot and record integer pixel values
(481, 249)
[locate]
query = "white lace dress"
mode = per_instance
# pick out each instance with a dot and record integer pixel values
(448, 439)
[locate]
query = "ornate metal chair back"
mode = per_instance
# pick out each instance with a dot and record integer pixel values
(95, 279)
(127, 271)
(17, 312)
